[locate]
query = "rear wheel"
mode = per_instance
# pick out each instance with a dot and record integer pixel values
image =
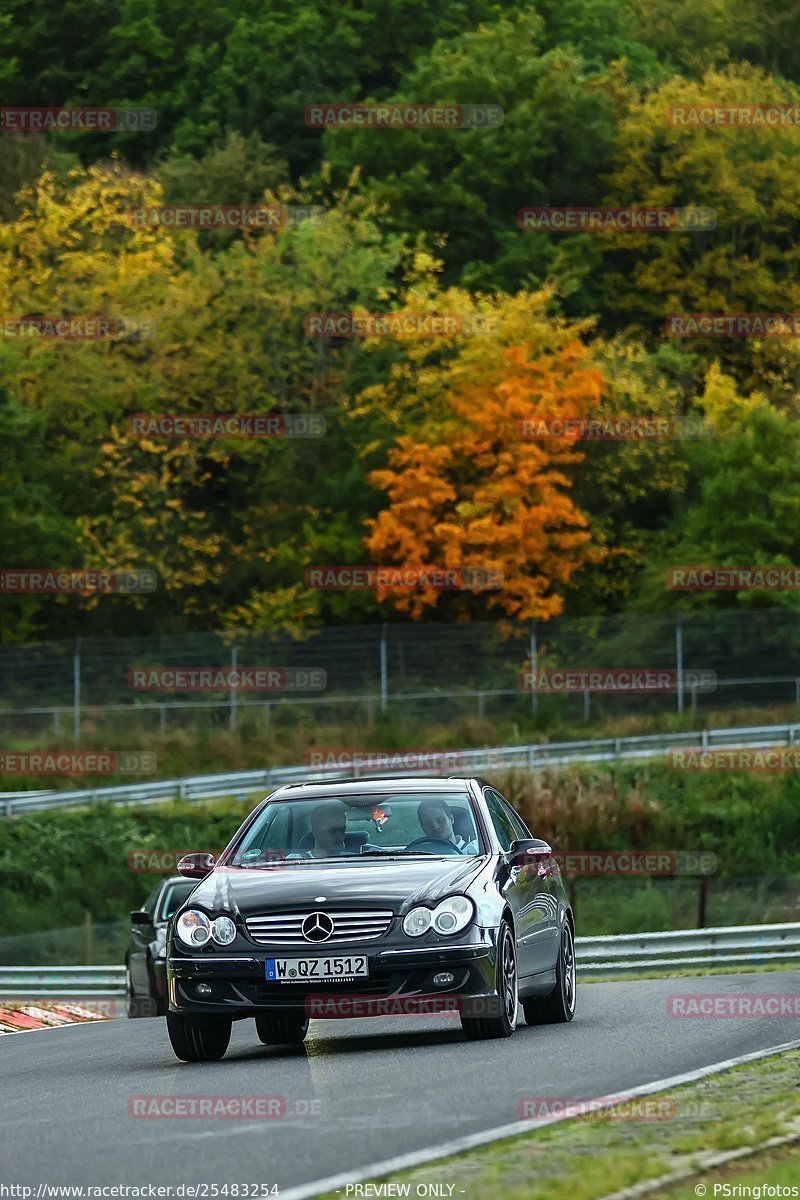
(503, 1022)
(559, 1006)
(198, 1038)
(281, 1028)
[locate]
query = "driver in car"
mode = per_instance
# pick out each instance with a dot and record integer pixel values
(328, 827)
(437, 821)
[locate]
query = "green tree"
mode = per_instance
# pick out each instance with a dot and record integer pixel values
(555, 143)
(749, 263)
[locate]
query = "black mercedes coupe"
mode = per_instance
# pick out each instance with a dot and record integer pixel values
(370, 897)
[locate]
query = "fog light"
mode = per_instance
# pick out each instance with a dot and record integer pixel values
(444, 978)
(203, 989)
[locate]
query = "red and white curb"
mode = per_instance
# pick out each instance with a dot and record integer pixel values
(18, 1017)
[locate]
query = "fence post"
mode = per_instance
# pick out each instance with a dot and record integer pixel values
(534, 659)
(480, 705)
(234, 664)
(162, 719)
(267, 713)
(679, 659)
(797, 692)
(587, 704)
(384, 672)
(76, 694)
(57, 722)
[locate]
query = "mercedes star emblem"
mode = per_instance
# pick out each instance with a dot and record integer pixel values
(317, 927)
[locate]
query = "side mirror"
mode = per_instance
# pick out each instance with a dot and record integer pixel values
(529, 850)
(140, 917)
(196, 866)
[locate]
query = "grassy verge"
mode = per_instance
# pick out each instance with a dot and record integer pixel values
(779, 1167)
(207, 746)
(587, 1158)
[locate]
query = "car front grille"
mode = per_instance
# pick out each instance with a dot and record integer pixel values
(284, 929)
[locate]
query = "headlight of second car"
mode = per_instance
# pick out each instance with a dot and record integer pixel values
(450, 916)
(196, 929)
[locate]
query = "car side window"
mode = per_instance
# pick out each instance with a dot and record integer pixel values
(517, 824)
(500, 819)
(149, 905)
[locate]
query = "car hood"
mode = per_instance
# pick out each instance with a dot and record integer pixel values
(396, 885)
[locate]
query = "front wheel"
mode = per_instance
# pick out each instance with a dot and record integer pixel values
(198, 1038)
(281, 1029)
(502, 1022)
(559, 1006)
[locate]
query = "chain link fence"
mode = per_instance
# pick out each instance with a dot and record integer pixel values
(412, 670)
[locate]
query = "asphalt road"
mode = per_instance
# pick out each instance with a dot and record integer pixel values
(356, 1093)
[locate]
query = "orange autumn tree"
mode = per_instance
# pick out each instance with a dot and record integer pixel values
(469, 490)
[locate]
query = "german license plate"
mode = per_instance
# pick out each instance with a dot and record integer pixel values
(316, 970)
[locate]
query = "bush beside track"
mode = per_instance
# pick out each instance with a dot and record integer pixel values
(57, 866)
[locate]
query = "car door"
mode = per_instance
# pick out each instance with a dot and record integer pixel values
(527, 887)
(141, 936)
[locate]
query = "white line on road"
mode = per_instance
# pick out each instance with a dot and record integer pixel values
(403, 1162)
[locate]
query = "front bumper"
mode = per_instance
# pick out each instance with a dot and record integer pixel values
(239, 987)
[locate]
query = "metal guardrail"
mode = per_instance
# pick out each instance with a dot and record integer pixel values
(662, 952)
(637, 952)
(530, 757)
(17, 983)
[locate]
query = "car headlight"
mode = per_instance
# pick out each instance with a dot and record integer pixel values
(453, 914)
(450, 916)
(193, 928)
(223, 930)
(417, 922)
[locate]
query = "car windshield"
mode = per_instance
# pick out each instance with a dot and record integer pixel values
(335, 827)
(173, 897)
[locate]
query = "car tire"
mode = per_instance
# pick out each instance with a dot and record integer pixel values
(281, 1028)
(503, 1024)
(198, 1038)
(559, 1005)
